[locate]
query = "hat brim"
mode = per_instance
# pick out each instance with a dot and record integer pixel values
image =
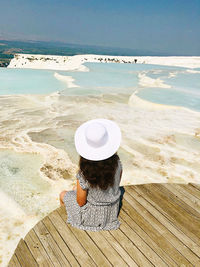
(101, 153)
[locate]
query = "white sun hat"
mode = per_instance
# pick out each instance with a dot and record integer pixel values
(97, 139)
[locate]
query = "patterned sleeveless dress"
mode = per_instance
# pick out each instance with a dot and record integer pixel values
(101, 209)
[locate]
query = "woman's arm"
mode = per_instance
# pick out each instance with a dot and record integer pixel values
(81, 196)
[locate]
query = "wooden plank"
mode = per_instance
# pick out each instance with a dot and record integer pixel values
(117, 246)
(145, 255)
(197, 186)
(24, 255)
(185, 197)
(175, 214)
(107, 249)
(161, 215)
(72, 242)
(185, 246)
(134, 245)
(178, 196)
(60, 242)
(54, 252)
(150, 225)
(37, 250)
(148, 246)
(129, 246)
(92, 249)
(158, 222)
(191, 192)
(191, 189)
(14, 262)
(192, 216)
(108, 236)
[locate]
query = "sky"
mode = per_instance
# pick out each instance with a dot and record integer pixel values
(156, 25)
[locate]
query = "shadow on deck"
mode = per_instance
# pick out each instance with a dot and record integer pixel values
(160, 226)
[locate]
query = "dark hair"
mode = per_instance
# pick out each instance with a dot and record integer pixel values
(99, 173)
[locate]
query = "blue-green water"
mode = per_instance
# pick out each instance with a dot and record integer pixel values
(184, 91)
(28, 81)
(109, 78)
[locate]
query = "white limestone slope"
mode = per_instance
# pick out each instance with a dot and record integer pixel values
(75, 62)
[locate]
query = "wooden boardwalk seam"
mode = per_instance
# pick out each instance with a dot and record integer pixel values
(160, 226)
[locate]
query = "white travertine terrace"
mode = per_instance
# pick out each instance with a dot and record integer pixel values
(75, 62)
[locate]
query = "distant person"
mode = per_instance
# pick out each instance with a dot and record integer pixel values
(94, 205)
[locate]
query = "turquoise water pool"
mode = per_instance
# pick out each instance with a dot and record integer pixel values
(110, 78)
(28, 81)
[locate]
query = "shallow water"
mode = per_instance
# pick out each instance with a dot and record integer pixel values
(184, 91)
(184, 84)
(159, 84)
(37, 153)
(28, 81)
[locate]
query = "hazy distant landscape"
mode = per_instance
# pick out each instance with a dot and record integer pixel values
(9, 48)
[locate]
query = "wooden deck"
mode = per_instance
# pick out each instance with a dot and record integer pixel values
(160, 226)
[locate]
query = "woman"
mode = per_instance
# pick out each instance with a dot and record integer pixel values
(94, 205)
